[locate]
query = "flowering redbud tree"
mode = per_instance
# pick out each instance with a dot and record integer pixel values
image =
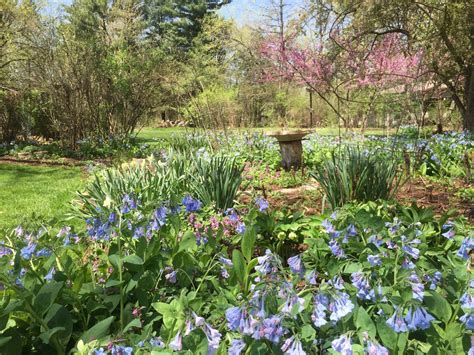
(344, 69)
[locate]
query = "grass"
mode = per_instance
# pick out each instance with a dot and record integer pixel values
(42, 191)
(150, 134)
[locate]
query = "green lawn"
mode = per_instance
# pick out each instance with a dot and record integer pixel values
(44, 191)
(149, 134)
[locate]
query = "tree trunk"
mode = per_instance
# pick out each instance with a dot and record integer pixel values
(468, 116)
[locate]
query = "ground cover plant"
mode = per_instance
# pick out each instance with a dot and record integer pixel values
(372, 276)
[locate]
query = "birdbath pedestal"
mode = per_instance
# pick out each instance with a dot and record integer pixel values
(291, 148)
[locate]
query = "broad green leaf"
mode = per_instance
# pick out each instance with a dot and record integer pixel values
(248, 242)
(188, 242)
(307, 332)
(133, 259)
(239, 265)
(59, 316)
(438, 306)
(46, 336)
(136, 323)
(365, 323)
(4, 340)
(97, 331)
(46, 296)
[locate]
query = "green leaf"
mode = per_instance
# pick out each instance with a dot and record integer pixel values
(365, 323)
(136, 323)
(188, 242)
(4, 340)
(46, 296)
(133, 259)
(239, 265)
(307, 332)
(46, 336)
(59, 316)
(248, 242)
(97, 331)
(115, 261)
(258, 348)
(196, 341)
(438, 306)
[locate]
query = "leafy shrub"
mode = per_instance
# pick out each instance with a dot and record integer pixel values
(355, 175)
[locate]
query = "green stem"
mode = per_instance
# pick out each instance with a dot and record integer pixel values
(119, 244)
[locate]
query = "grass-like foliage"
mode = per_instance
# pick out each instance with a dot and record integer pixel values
(352, 174)
(217, 180)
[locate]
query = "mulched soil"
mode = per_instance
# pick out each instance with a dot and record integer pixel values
(424, 193)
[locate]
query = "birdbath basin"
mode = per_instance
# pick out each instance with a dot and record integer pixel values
(291, 148)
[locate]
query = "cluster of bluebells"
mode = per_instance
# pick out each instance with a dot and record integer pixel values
(467, 305)
(338, 237)
(194, 321)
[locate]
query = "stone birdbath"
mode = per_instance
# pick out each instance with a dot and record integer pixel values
(291, 148)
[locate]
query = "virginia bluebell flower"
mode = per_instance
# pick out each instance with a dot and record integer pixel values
(394, 226)
(296, 265)
(336, 249)
(466, 245)
(293, 303)
(351, 230)
(292, 346)
(213, 338)
(235, 319)
(449, 234)
(170, 275)
(262, 204)
(190, 204)
(240, 228)
(376, 349)
(28, 251)
(468, 320)
(343, 345)
(139, 232)
(417, 287)
(158, 219)
(418, 318)
(361, 283)
(157, 343)
(434, 279)
(411, 251)
(236, 347)
(319, 312)
(49, 276)
(121, 350)
(340, 306)
(19, 231)
(328, 226)
(396, 322)
(177, 342)
(374, 260)
(311, 277)
(467, 301)
(408, 264)
(337, 282)
(265, 263)
(5, 251)
(376, 240)
(272, 329)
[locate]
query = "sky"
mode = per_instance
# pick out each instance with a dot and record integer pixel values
(244, 12)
